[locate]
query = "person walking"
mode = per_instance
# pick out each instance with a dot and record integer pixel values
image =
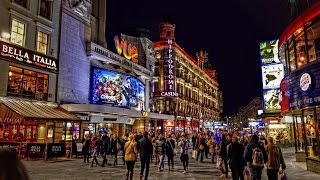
(275, 160)
(200, 147)
(212, 145)
(145, 148)
(131, 152)
(161, 151)
(170, 149)
(154, 149)
(185, 146)
(223, 155)
(115, 147)
(256, 155)
(105, 149)
(86, 148)
(237, 162)
(94, 148)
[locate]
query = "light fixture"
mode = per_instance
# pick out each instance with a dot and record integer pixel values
(5, 35)
(10, 73)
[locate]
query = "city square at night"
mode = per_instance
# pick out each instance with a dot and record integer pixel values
(105, 89)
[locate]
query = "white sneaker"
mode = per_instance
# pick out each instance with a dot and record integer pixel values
(184, 171)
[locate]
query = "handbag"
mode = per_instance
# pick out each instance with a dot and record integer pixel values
(173, 150)
(194, 154)
(283, 175)
(201, 147)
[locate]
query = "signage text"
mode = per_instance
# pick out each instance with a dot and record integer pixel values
(129, 51)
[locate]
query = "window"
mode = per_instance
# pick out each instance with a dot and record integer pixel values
(27, 84)
(67, 131)
(22, 3)
(300, 49)
(42, 42)
(292, 56)
(18, 32)
(313, 37)
(45, 8)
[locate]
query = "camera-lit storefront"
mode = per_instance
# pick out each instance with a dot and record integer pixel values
(299, 49)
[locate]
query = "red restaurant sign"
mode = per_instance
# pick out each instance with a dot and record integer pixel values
(15, 53)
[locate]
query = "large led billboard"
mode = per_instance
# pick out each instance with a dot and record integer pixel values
(272, 73)
(272, 76)
(271, 100)
(269, 52)
(110, 87)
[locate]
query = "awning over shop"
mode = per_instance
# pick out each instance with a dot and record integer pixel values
(11, 109)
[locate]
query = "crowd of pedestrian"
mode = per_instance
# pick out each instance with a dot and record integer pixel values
(244, 155)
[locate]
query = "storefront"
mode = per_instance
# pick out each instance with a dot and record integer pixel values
(303, 92)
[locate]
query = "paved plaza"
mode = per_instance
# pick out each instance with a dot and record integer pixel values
(76, 169)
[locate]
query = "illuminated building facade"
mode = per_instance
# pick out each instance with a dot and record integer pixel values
(299, 50)
(183, 87)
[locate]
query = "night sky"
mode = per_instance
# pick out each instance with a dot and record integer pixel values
(230, 31)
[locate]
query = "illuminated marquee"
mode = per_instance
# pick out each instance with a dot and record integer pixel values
(129, 51)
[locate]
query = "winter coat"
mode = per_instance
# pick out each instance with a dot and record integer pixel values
(170, 148)
(131, 151)
(275, 157)
(145, 148)
(211, 144)
(235, 154)
(249, 150)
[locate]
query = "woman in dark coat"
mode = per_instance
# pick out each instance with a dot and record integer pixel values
(237, 161)
(115, 147)
(85, 148)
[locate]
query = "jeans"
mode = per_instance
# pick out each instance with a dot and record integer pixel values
(237, 173)
(145, 164)
(200, 153)
(255, 173)
(213, 156)
(225, 170)
(161, 161)
(170, 159)
(272, 174)
(185, 161)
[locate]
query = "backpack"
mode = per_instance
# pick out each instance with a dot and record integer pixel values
(257, 157)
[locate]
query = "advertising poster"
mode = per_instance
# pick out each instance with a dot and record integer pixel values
(110, 87)
(272, 76)
(271, 100)
(269, 52)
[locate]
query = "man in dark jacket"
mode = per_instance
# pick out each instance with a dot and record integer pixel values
(254, 145)
(223, 155)
(200, 147)
(145, 148)
(105, 149)
(237, 162)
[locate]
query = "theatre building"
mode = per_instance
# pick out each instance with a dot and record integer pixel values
(109, 90)
(299, 48)
(184, 87)
(29, 66)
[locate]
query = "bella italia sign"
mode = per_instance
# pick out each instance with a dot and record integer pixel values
(15, 53)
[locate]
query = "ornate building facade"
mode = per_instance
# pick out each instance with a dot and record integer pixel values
(183, 86)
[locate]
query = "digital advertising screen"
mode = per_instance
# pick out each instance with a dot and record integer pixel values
(272, 100)
(110, 87)
(269, 52)
(272, 76)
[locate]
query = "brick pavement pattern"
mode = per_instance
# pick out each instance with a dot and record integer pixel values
(77, 170)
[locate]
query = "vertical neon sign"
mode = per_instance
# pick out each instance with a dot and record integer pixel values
(170, 67)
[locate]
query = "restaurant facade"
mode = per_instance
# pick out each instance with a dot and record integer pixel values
(300, 88)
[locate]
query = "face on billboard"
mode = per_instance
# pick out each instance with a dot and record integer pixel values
(110, 87)
(271, 100)
(272, 76)
(269, 52)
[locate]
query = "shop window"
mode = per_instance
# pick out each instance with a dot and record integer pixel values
(292, 59)
(22, 3)
(67, 131)
(311, 132)
(42, 42)
(27, 84)
(76, 131)
(300, 49)
(45, 8)
(313, 36)
(18, 32)
(41, 132)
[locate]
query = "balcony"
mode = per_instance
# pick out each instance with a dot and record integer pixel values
(95, 51)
